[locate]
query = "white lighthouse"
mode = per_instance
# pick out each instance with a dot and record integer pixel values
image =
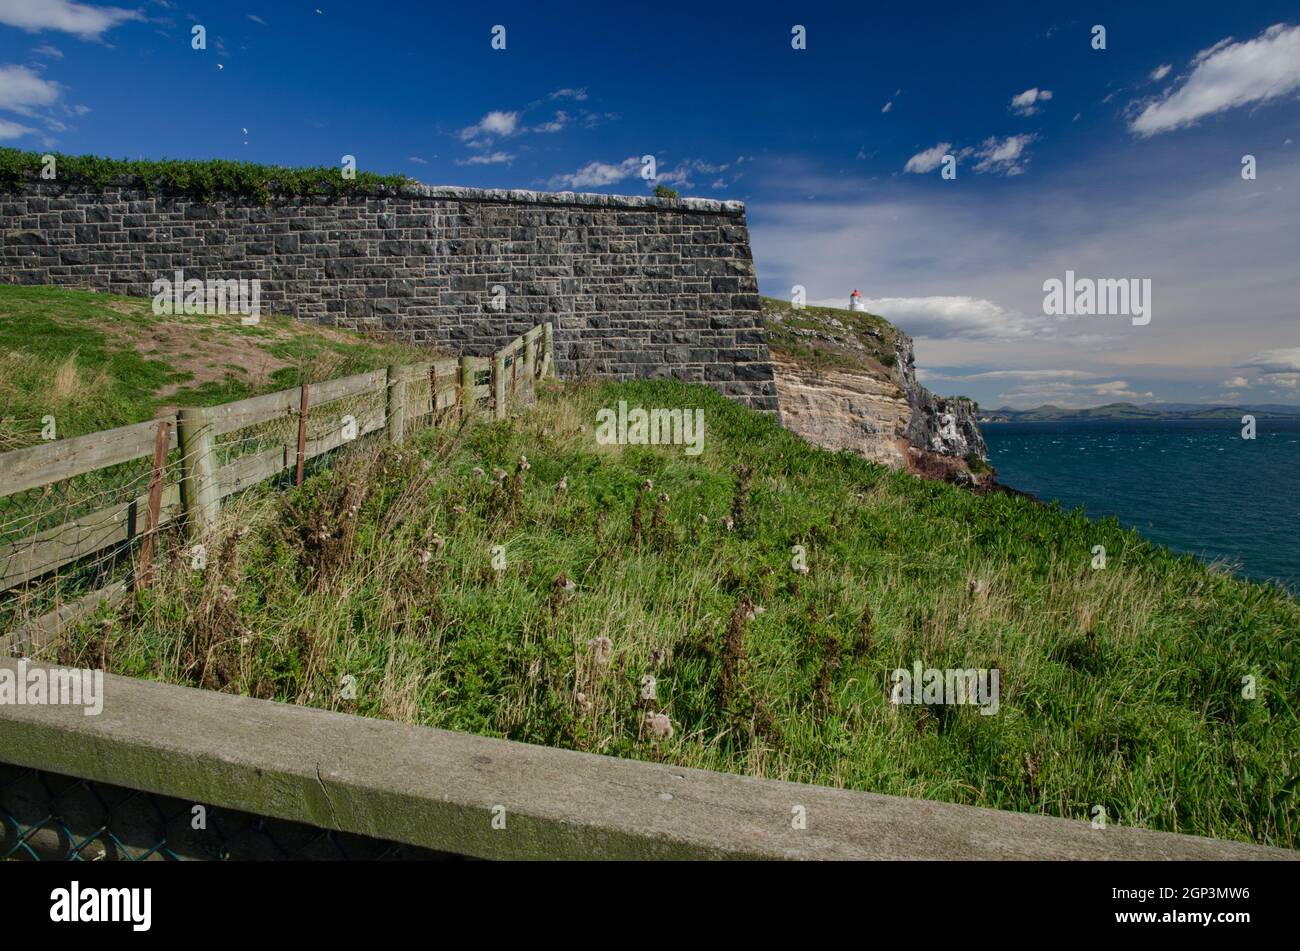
(855, 301)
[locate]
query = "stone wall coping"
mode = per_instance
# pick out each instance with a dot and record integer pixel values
(576, 198)
(463, 193)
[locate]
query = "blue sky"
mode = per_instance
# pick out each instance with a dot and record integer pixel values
(1115, 163)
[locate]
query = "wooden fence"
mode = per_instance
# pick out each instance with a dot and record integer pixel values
(203, 455)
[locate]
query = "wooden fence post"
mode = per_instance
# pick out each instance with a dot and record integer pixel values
(200, 494)
(302, 435)
(548, 352)
(465, 387)
(433, 395)
(395, 409)
(144, 569)
(530, 362)
(499, 384)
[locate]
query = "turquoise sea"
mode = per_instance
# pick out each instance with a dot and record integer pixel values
(1191, 485)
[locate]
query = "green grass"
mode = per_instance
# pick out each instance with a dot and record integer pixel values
(1121, 687)
(97, 361)
(875, 337)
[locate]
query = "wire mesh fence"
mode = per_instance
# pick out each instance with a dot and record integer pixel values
(51, 817)
(60, 541)
(111, 508)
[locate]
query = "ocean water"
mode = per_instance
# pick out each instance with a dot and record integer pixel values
(1191, 485)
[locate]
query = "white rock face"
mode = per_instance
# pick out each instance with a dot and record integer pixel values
(843, 409)
(888, 417)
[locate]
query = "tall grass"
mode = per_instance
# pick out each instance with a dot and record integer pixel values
(1121, 687)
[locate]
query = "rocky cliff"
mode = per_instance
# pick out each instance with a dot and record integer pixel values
(847, 380)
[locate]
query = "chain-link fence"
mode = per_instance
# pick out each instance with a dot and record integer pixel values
(51, 817)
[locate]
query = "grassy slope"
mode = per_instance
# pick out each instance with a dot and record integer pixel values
(96, 361)
(1121, 687)
(875, 334)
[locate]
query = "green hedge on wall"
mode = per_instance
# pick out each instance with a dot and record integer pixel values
(199, 179)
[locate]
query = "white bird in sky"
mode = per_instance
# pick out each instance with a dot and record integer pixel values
(219, 66)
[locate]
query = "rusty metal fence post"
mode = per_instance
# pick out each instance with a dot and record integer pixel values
(144, 570)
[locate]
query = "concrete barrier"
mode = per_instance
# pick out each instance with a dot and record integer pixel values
(496, 799)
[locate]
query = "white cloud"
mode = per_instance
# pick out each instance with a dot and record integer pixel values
(1019, 375)
(12, 130)
(417, 160)
(949, 317)
(1225, 76)
(1236, 383)
(1029, 102)
(1160, 72)
(579, 95)
(560, 121)
(256, 19)
(46, 49)
(889, 105)
(681, 175)
(1004, 156)
(493, 125)
(490, 158)
(929, 160)
(897, 239)
(23, 91)
(1073, 394)
(598, 174)
(1116, 389)
(1285, 360)
(79, 19)
(996, 156)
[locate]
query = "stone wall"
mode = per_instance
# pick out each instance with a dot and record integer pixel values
(637, 287)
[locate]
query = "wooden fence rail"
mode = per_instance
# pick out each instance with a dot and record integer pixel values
(442, 390)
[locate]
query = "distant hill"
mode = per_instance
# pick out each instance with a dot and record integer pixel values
(1153, 411)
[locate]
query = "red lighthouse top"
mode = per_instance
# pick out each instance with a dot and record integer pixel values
(855, 293)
